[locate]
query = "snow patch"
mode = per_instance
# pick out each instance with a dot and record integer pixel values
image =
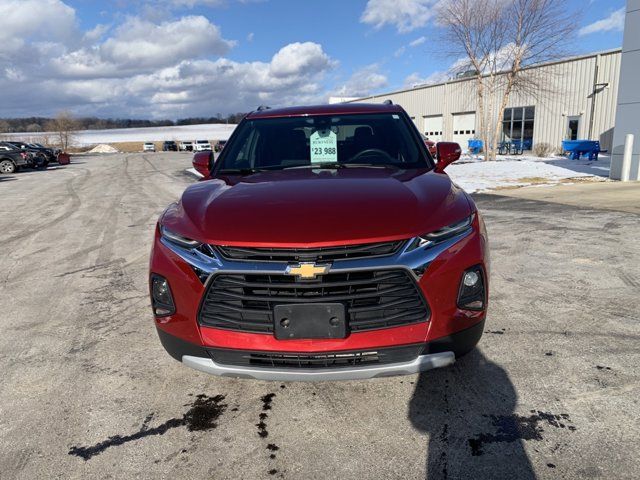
(102, 148)
(475, 175)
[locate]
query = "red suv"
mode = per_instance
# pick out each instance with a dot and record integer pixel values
(325, 243)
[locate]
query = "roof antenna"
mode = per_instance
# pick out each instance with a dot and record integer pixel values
(263, 107)
(387, 102)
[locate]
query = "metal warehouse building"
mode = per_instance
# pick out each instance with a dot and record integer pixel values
(575, 99)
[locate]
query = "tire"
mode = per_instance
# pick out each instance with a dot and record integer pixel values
(41, 162)
(7, 166)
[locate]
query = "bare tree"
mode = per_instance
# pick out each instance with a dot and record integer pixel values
(4, 126)
(64, 126)
(497, 40)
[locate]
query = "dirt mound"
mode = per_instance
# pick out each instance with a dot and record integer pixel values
(103, 148)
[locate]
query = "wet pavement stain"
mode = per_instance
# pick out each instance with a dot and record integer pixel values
(267, 401)
(496, 332)
(266, 405)
(202, 415)
(512, 428)
(262, 426)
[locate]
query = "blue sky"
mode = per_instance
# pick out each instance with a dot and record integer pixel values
(177, 58)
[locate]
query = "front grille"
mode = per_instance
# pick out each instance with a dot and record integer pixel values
(362, 358)
(368, 250)
(372, 299)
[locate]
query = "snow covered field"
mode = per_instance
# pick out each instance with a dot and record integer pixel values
(475, 175)
(154, 134)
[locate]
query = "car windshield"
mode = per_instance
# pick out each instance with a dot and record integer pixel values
(380, 139)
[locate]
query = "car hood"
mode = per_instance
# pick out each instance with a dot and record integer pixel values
(304, 207)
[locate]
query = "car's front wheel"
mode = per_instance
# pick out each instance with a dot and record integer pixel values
(7, 166)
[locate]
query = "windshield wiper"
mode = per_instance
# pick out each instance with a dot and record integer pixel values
(240, 171)
(337, 165)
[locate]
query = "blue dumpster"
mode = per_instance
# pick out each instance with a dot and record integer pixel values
(577, 148)
(475, 146)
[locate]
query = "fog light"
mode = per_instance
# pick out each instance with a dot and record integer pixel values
(470, 279)
(472, 293)
(161, 299)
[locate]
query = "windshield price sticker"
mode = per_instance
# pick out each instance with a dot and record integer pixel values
(324, 146)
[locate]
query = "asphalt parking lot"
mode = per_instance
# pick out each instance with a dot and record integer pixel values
(88, 392)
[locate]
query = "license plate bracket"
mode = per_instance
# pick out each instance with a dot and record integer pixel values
(310, 320)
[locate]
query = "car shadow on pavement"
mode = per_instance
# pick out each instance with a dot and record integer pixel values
(468, 410)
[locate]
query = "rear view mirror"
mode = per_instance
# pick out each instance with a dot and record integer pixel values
(202, 163)
(447, 152)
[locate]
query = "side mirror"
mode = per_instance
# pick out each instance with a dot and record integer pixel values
(202, 163)
(447, 152)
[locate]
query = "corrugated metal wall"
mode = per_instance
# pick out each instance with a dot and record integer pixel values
(557, 91)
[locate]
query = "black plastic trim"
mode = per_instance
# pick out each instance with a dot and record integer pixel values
(462, 302)
(171, 308)
(176, 347)
(460, 343)
(328, 359)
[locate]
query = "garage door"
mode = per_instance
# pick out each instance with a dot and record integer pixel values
(464, 128)
(433, 127)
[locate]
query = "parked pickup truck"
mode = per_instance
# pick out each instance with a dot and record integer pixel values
(324, 243)
(202, 145)
(186, 146)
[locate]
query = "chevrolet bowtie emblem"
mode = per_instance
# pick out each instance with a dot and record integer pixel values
(307, 270)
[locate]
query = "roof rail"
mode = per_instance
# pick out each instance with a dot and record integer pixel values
(387, 102)
(263, 107)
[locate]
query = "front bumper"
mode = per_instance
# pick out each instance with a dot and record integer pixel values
(441, 352)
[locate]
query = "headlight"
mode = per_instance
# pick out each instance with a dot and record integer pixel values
(179, 240)
(433, 238)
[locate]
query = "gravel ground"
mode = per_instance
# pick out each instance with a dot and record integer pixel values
(88, 392)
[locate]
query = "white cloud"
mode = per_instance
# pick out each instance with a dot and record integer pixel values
(415, 43)
(405, 15)
(195, 3)
(363, 82)
(139, 46)
(25, 21)
(141, 43)
(250, 36)
(418, 41)
(400, 51)
(436, 77)
(299, 58)
(140, 68)
(614, 22)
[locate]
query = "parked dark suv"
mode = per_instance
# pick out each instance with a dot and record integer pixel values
(220, 145)
(13, 158)
(169, 146)
(43, 155)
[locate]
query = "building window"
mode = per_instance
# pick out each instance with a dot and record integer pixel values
(517, 125)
